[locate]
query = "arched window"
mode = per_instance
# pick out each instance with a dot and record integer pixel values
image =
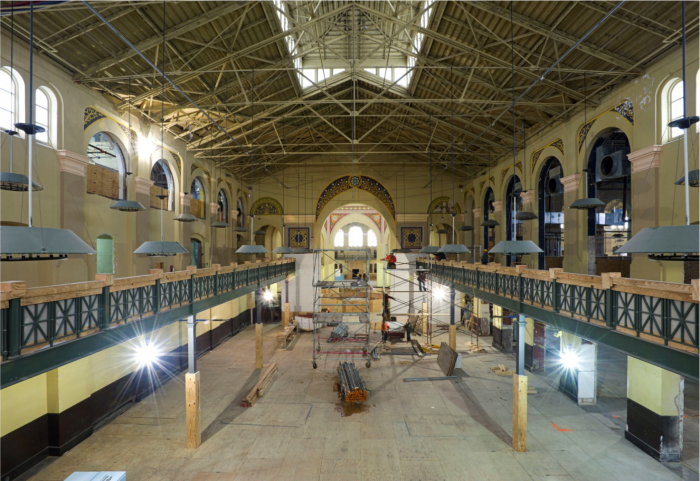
(11, 99)
(675, 108)
(105, 152)
(222, 207)
(355, 237)
(371, 239)
(551, 214)
(162, 179)
(198, 200)
(240, 220)
(339, 240)
(43, 115)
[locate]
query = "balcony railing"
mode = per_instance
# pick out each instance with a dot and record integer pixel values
(40, 317)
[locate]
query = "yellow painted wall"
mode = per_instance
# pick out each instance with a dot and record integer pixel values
(653, 387)
(22, 403)
(529, 331)
(497, 321)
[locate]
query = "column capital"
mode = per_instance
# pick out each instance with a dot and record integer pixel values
(497, 206)
(570, 182)
(72, 163)
(476, 212)
(143, 186)
(527, 196)
(645, 159)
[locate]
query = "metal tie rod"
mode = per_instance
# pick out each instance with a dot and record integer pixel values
(162, 73)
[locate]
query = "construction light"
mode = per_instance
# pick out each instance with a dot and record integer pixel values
(146, 147)
(569, 359)
(146, 354)
(440, 293)
(268, 296)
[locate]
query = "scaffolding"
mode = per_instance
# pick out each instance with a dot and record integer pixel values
(344, 301)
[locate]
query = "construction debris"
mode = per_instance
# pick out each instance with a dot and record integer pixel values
(352, 388)
(502, 370)
(261, 387)
(447, 358)
(339, 332)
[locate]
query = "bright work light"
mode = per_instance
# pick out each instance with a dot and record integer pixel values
(569, 359)
(146, 354)
(439, 293)
(267, 295)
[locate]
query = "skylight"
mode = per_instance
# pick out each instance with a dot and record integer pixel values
(418, 39)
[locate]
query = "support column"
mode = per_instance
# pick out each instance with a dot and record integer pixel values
(258, 335)
(285, 315)
(572, 219)
(645, 182)
(519, 439)
(453, 326)
(502, 331)
(655, 408)
(192, 397)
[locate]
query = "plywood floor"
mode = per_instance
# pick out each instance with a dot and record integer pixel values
(411, 431)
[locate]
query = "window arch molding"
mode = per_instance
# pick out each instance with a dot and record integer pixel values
(16, 82)
(672, 86)
(198, 192)
(223, 205)
(161, 174)
(106, 150)
(46, 110)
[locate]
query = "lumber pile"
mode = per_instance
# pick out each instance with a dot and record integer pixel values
(447, 358)
(340, 332)
(352, 387)
(502, 370)
(261, 387)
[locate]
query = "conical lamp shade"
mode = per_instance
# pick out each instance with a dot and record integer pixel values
(161, 249)
(430, 250)
(441, 231)
(17, 182)
(36, 243)
(283, 250)
(466, 228)
(454, 249)
(219, 224)
(301, 250)
(252, 249)
(240, 229)
(511, 248)
(185, 218)
(127, 206)
(490, 223)
(525, 215)
(589, 203)
(673, 242)
(694, 176)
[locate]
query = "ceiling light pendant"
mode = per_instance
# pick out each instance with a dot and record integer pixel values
(252, 248)
(490, 223)
(9, 180)
(282, 249)
(186, 217)
(694, 176)
(162, 248)
(673, 242)
(128, 205)
(525, 215)
(466, 228)
(240, 229)
(514, 247)
(588, 202)
(441, 231)
(429, 250)
(37, 243)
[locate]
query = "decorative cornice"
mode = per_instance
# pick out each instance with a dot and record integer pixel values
(411, 217)
(645, 159)
(143, 186)
(527, 196)
(477, 212)
(234, 214)
(571, 182)
(497, 206)
(72, 163)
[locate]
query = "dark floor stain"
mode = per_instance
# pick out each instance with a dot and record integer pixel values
(348, 409)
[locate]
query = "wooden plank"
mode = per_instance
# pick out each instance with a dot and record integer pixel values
(175, 276)
(30, 301)
(63, 288)
(453, 336)
(582, 280)
(447, 358)
(258, 346)
(250, 398)
(666, 290)
(13, 289)
(194, 419)
(519, 413)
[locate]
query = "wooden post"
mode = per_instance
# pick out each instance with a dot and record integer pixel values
(194, 421)
(258, 346)
(285, 315)
(453, 337)
(519, 413)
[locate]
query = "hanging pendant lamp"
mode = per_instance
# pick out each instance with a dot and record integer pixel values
(588, 202)
(161, 248)
(693, 175)
(673, 242)
(218, 224)
(303, 250)
(9, 180)
(128, 205)
(252, 248)
(430, 248)
(453, 248)
(282, 249)
(37, 243)
(514, 247)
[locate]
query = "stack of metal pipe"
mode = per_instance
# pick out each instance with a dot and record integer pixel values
(352, 387)
(340, 331)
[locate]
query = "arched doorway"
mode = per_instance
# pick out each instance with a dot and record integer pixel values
(196, 253)
(105, 254)
(514, 227)
(609, 179)
(551, 215)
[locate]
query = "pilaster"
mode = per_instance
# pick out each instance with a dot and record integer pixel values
(572, 220)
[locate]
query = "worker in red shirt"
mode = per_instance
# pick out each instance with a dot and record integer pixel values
(391, 261)
(385, 327)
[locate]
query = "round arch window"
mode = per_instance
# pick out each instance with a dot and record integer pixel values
(104, 151)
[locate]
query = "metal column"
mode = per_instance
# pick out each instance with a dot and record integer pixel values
(191, 345)
(520, 356)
